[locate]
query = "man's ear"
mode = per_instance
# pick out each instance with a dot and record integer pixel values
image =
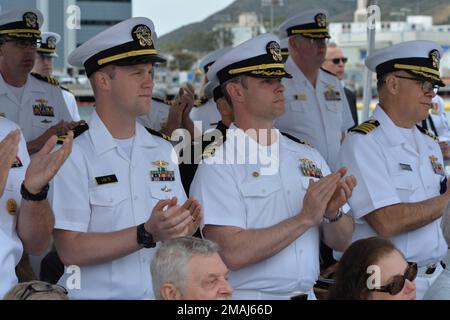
(102, 80)
(235, 91)
(170, 292)
(392, 84)
(293, 43)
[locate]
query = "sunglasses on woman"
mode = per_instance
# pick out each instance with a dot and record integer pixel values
(398, 282)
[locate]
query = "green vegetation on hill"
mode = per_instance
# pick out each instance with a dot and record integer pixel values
(199, 37)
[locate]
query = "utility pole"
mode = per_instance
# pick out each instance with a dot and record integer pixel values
(272, 4)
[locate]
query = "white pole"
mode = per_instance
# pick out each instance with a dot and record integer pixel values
(271, 15)
(367, 93)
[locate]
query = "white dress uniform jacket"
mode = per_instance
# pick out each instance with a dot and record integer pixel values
(207, 114)
(318, 115)
(99, 189)
(439, 117)
(240, 195)
(389, 171)
(156, 119)
(71, 104)
(11, 246)
(42, 106)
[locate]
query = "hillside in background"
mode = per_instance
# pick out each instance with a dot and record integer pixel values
(199, 37)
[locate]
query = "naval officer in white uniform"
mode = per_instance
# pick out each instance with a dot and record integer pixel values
(268, 200)
(26, 219)
(401, 183)
(119, 193)
(37, 106)
(317, 110)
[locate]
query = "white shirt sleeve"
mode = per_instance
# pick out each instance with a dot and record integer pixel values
(70, 200)
(71, 104)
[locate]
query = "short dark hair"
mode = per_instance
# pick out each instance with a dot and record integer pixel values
(351, 275)
(239, 79)
(110, 70)
(381, 80)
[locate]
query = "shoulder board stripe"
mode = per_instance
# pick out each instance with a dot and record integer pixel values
(201, 101)
(65, 89)
(428, 133)
(159, 134)
(287, 135)
(329, 72)
(366, 127)
(158, 99)
(77, 131)
(50, 80)
(211, 148)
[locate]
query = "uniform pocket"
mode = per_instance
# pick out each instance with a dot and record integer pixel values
(333, 106)
(42, 122)
(297, 106)
(106, 207)
(405, 185)
(305, 181)
(162, 190)
(259, 189)
(106, 197)
(261, 200)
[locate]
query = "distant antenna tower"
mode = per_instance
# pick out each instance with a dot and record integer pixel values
(272, 4)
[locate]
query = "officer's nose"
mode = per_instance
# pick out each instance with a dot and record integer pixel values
(225, 289)
(148, 83)
(280, 87)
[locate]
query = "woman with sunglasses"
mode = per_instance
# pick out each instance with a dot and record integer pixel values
(373, 269)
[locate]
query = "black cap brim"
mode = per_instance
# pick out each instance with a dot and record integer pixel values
(139, 60)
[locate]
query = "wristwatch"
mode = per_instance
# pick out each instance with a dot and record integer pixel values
(145, 238)
(338, 216)
(27, 195)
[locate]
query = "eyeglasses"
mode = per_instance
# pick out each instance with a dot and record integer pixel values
(427, 86)
(337, 60)
(398, 282)
(36, 287)
(25, 43)
(318, 41)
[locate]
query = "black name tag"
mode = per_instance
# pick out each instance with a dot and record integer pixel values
(405, 166)
(106, 179)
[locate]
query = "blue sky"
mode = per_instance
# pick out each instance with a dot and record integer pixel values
(168, 15)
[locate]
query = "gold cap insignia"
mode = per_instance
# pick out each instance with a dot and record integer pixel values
(11, 206)
(51, 42)
(321, 20)
(274, 49)
(142, 34)
(435, 57)
(31, 20)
